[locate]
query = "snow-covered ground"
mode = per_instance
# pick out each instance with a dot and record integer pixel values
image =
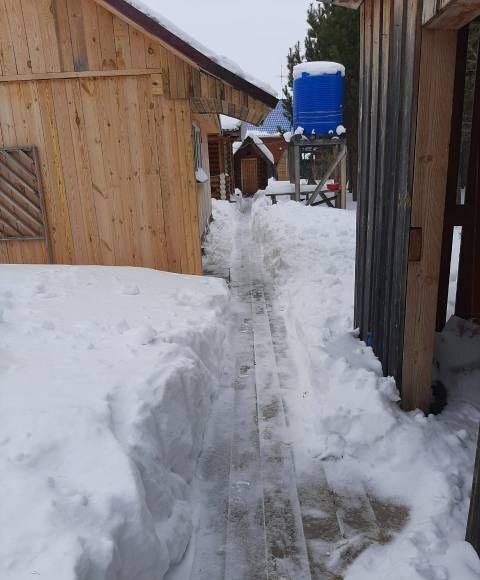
(344, 414)
(108, 377)
(106, 381)
(344, 417)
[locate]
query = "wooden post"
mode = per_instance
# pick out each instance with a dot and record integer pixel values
(438, 57)
(296, 158)
(343, 183)
(473, 528)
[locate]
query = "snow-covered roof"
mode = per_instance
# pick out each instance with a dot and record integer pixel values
(259, 144)
(318, 68)
(275, 120)
(144, 13)
(229, 123)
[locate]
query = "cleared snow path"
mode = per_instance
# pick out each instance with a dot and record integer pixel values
(249, 523)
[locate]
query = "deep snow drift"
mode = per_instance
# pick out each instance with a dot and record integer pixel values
(106, 382)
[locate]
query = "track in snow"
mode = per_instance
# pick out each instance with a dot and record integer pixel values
(252, 522)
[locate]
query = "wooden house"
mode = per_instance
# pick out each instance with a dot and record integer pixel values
(271, 133)
(419, 177)
(254, 164)
(413, 118)
(104, 120)
(222, 172)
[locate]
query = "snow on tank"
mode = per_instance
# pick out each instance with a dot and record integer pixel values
(318, 68)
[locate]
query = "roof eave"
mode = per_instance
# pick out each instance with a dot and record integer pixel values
(204, 62)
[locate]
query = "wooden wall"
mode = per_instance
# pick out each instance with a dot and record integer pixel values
(110, 112)
(390, 50)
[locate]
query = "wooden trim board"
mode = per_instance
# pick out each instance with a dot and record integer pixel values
(435, 103)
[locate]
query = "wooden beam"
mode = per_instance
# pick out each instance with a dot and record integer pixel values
(449, 14)
(207, 106)
(52, 76)
(435, 104)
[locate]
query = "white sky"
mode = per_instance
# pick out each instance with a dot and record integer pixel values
(256, 34)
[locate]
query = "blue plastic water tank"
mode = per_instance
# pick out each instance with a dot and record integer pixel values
(318, 94)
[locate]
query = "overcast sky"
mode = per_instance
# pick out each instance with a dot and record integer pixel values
(254, 33)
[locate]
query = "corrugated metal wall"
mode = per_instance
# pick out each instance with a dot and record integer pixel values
(390, 47)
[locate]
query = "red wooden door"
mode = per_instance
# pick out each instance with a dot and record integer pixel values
(249, 176)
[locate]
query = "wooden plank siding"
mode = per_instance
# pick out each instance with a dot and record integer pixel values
(109, 109)
(389, 73)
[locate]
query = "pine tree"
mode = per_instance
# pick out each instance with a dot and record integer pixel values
(294, 57)
(334, 34)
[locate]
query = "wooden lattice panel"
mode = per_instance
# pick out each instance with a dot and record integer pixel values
(22, 215)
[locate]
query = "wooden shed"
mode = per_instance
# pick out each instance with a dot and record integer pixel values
(416, 61)
(254, 164)
(104, 120)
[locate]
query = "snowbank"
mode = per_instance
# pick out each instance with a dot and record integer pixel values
(318, 68)
(106, 381)
(343, 414)
(221, 238)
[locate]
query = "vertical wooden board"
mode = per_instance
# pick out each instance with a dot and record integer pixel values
(412, 39)
(107, 39)
(172, 75)
(372, 188)
(48, 35)
(398, 20)
(149, 166)
(145, 234)
(367, 12)
(4, 255)
(56, 200)
(19, 36)
(173, 213)
(383, 173)
(62, 28)
(80, 233)
(108, 112)
(7, 121)
(92, 34)
(34, 40)
(127, 198)
(358, 294)
(82, 166)
(137, 48)
(153, 54)
(77, 34)
(122, 44)
(189, 186)
(431, 161)
(102, 195)
(33, 251)
(37, 252)
(8, 65)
